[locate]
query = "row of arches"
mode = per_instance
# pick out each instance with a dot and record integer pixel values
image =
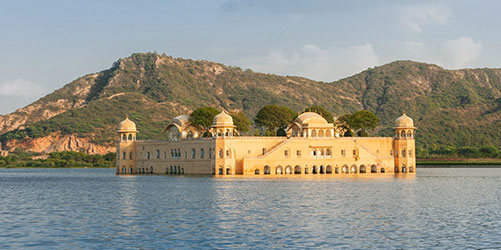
(131, 170)
(320, 169)
(404, 169)
(127, 137)
(404, 134)
(174, 170)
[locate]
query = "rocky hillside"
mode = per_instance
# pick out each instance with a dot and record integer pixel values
(450, 107)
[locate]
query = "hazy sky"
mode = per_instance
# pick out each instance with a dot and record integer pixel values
(46, 44)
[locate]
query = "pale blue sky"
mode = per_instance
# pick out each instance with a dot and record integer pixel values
(46, 44)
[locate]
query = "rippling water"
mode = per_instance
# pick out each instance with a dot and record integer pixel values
(93, 208)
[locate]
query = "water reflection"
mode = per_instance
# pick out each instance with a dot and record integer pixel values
(94, 208)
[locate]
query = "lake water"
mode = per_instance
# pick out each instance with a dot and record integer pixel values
(95, 209)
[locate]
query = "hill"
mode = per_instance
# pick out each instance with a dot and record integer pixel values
(450, 107)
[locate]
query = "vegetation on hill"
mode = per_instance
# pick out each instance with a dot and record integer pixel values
(59, 160)
(459, 108)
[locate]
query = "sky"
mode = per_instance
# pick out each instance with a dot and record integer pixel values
(47, 44)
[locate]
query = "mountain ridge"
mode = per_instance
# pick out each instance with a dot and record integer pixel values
(451, 107)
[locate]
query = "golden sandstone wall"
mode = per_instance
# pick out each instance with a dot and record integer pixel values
(307, 153)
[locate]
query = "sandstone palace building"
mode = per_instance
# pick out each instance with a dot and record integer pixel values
(312, 147)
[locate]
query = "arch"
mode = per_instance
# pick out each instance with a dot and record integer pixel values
(123, 170)
(328, 133)
(130, 137)
(403, 134)
(171, 170)
(124, 137)
(221, 170)
(328, 169)
(382, 170)
(411, 169)
(175, 170)
(158, 154)
(297, 169)
(314, 170)
(409, 134)
(201, 153)
(373, 168)
(313, 152)
(221, 153)
(179, 170)
(314, 133)
(404, 169)
(193, 153)
(328, 152)
(166, 170)
(151, 170)
(321, 133)
(345, 169)
(288, 170)
(353, 169)
(267, 169)
(144, 171)
(278, 170)
(148, 155)
(190, 134)
(256, 172)
(396, 169)
(130, 170)
(362, 169)
(321, 169)
(336, 170)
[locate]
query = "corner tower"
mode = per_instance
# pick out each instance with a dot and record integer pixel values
(404, 145)
(126, 151)
(222, 130)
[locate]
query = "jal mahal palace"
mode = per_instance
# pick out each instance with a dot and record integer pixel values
(312, 147)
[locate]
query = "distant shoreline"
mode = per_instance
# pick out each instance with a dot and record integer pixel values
(458, 163)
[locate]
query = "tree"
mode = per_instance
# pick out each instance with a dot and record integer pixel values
(202, 117)
(360, 121)
(273, 117)
(241, 121)
(321, 111)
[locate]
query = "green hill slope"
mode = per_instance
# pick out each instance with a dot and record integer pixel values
(450, 107)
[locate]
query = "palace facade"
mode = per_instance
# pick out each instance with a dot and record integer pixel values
(312, 146)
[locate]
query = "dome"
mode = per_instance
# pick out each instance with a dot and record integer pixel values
(127, 126)
(180, 120)
(223, 119)
(310, 118)
(404, 122)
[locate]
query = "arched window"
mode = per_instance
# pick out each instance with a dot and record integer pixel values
(123, 170)
(210, 153)
(403, 134)
(322, 170)
(151, 171)
(314, 170)
(328, 170)
(201, 153)
(221, 153)
(373, 168)
(124, 137)
(396, 169)
(409, 134)
(297, 170)
(382, 170)
(362, 169)
(353, 169)
(278, 170)
(256, 171)
(220, 170)
(165, 155)
(130, 137)
(130, 170)
(130, 155)
(228, 153)
(190, 134)
(354, 152)
(158, 154)
(336, 170)
(193, 153)
(345, 169)
(148, 155)
(328, 152)
(267, 169)
(411, 169)
(124, 155)
(288, 170)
